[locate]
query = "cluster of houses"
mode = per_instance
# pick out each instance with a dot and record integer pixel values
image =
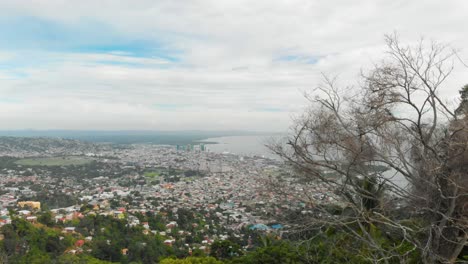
(233, 190)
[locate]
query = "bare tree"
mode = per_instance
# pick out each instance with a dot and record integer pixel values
(395, 120)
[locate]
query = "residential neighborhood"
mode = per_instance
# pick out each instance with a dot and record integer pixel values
(197, 196)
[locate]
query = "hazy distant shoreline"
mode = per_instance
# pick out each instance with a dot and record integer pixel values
(246, 145)
(134, 137)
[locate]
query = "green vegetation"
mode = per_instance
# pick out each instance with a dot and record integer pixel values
(191, 260)
(45, 242)
(54, 161)
(151, 174)
(27, 243)
(52, 201)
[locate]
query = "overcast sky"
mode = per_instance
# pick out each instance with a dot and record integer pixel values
(184, 65)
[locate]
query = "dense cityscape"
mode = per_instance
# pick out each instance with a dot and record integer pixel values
(186, 196)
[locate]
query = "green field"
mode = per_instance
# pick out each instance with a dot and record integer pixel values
(54, 161)
(151, 174)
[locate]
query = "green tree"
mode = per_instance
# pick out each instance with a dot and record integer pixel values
(46, 218)
(225, 249)
(79, 259)
(277, 253)
(104, 250)
(191, 260)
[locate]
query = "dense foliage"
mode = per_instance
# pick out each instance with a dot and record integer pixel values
(113, 241)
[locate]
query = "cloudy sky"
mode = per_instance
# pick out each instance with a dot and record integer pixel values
(196, 64)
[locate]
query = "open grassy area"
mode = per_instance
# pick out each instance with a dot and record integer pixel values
(54, 161)
(151, 174)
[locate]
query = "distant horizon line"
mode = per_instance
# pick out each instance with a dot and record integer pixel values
(135, 130)
(69, 133)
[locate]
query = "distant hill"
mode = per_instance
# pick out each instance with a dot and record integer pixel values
(39, 146)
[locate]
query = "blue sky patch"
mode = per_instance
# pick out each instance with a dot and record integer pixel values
(298, 58)
(9, 100)
(35, 35)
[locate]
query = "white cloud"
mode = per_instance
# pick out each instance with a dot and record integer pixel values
(228, 74)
